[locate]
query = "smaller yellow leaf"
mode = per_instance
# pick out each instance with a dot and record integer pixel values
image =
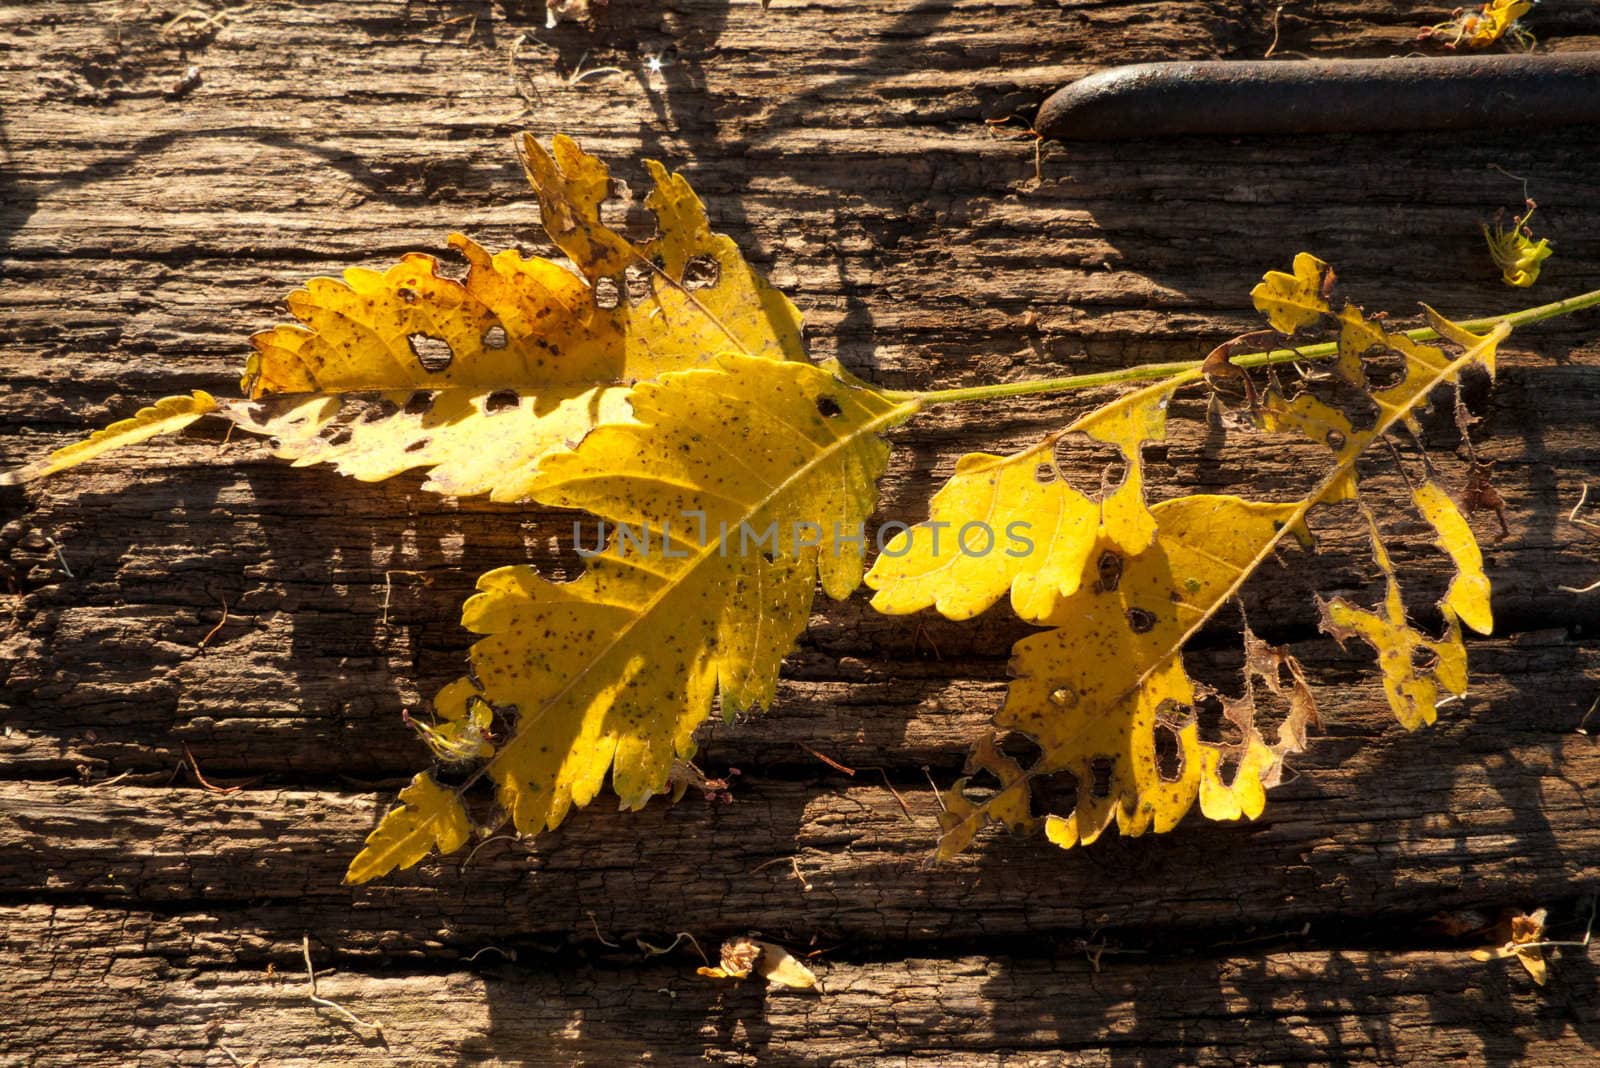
(1292, 301)
(1514, 250)
(1414, 666)
(1468, 596)
(166, 416)
(1013, 522)
(428, 816)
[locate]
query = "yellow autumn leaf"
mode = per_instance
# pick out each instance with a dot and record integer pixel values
(1013, 522)
(427, 817)
(1293, 301)
(744, 484)
(1468, 595)
(1104, 694)
(1414, 666)
(478, 379)
(166, 416)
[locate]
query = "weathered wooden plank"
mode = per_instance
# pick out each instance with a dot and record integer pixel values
(144, 234)
(87, 985)
(1461, 819)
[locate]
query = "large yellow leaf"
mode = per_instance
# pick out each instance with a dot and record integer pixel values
(1105, 695)
(478, 379)
(740, 478)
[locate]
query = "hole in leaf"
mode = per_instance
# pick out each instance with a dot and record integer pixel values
(500, 400)
(419, 402)
(1044, 474)
(1214, 725)
(1335, 440)
(434, 353)
(1101, 768)
(1095, 467)
(638, 282)
(701, 272)
(336, 435)
(1055, 794)
(1175, 715)
(406, 294)
(380, 410)
(828, 407)
(1383, 367)
(1141, 621)
(1109, 569)
(494, 337)
(606, 293)
(1423, 658)
(1228, 769)
(418, 445)
(1169, 754)
(1021, 748)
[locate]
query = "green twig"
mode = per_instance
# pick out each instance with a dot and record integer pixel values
(1148, 371)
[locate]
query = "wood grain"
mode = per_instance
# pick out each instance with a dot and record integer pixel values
(847, 147)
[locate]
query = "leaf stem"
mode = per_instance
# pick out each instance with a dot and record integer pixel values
(1148, 371)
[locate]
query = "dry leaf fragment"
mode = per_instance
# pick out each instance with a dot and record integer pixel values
(1525, 928)
(1483, 27)
(742, 955)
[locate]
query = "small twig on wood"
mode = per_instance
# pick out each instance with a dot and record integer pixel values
(656, 951)
(1277, 14)
(896, 793)
(579, 74)
(60, 559)
(1584, 524)
(834, 764)
(1581, 729)
(212, 633)
(604, 941)
(794, 865)
(480, 845)
(201, 779)
(508, 954)
(937, 796)
(322, 1002)
(234, 1057)
(388, 577)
